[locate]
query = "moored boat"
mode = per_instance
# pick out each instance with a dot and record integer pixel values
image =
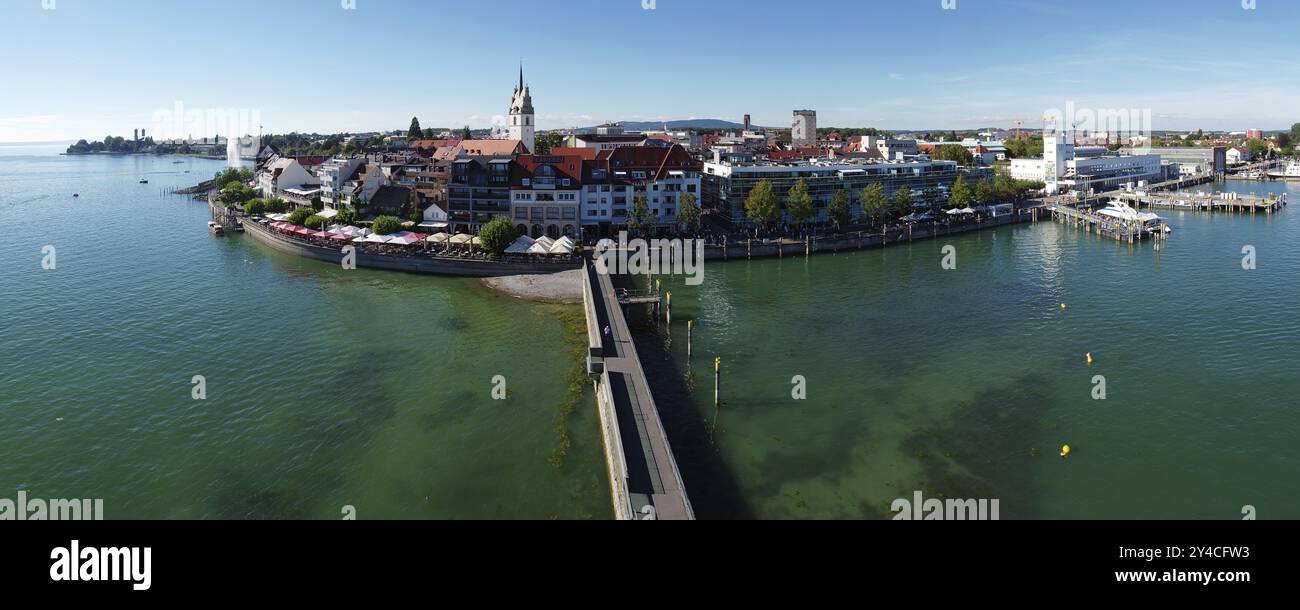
(215, 228)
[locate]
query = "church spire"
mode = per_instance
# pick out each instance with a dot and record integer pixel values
(521, 76)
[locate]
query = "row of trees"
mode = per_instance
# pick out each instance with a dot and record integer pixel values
(688, 214)
(764, 207)
(115, 144)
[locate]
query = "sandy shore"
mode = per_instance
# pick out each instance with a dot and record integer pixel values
(562, 287)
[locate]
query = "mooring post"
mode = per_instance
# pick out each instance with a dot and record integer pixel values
(668, 308)
(717, 382)
(690, 332)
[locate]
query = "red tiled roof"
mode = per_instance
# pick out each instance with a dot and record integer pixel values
(489, 148)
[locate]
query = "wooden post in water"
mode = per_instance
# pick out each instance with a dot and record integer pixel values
(668, 308)
(690, 332)
(749, 248)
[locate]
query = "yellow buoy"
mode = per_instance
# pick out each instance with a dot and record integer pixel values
(1065, 451)
(1062, 305)
(1089, 356)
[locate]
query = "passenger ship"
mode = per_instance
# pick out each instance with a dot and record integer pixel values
(1292, 172)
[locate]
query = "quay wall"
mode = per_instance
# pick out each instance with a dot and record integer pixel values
(410, 264)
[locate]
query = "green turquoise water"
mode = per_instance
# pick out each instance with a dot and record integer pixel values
(966, 383)
(325, 387)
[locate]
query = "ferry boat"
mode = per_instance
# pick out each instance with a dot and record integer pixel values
(215, 228)
(1292, 172)
(143, 181)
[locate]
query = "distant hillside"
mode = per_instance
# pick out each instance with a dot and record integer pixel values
(682, 124)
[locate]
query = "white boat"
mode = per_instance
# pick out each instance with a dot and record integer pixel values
(1121, 211)
(215, 228)
(1292, 172)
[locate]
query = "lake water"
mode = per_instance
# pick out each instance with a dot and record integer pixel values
(325, 388)
(328, 388)
(965, 383)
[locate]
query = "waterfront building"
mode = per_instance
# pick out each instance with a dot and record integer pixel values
(334, 175)
(288, 179)
(1065, 168)
(1237, 155)
(1195, 160)
(726, 186)
(523, 119)
(479, 191)
(545, 194)
(612, 179)
(804, 130)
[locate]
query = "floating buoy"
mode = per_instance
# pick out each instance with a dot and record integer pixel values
(1062, 305)
(1089, 357)
(1065, 451)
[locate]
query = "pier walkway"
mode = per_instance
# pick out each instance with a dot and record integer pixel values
(643, 476)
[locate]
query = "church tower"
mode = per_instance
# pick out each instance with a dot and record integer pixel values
(523, 123)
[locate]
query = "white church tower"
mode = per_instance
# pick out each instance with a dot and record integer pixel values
(523, 123)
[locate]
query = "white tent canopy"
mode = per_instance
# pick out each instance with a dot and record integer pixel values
(563, 245)
(439, 237)
(520, 245)
(538, 248)
(373, 239)
(546, 242)
(461, 238)
(404, 240)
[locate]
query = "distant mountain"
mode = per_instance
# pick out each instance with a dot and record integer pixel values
(682, 124)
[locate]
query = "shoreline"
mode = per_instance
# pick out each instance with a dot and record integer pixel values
(563, 288)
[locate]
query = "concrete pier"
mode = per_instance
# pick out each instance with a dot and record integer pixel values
(644, 480)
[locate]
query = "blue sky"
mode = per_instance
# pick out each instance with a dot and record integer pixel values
(89, 68)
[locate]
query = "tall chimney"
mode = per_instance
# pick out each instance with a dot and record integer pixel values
(747, 124)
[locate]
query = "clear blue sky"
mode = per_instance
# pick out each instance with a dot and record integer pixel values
(93, 67)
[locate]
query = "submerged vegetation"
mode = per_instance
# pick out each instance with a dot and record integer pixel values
(574, 324)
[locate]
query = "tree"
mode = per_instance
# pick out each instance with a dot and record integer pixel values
(346, 216)
(960, 196)
(1257, 147)
(838, 209)
(315, 221)
(275, 205)
(639, 219)
(983, 192)
(762, 205)
(1295, 132)
(497, 235)
(466, 135)
(799, 203)
(1284, 140)
(384, 225)
(953, 152)
(414, 132)
(546, 141)
(930, 195)
(236, 193)
(300, 215)
(255, 207)
(689, 213)
(903, 200)
(874, 201)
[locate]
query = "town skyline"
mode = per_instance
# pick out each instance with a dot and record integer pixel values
(984, 64)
